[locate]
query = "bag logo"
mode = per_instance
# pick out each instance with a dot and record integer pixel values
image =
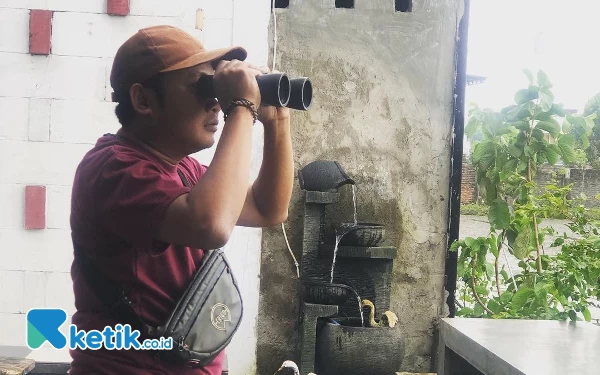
(219, 314)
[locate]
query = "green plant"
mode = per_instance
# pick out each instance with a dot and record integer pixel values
(515, 142)
(473, 209)
(593, 152)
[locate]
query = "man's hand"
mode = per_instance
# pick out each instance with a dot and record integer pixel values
(236, 79)
(268, 114)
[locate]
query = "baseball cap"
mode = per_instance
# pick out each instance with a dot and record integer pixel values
(158, 49)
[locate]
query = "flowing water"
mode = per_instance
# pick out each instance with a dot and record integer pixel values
(354, 203)
(342, 231)
(362, 318)
(335, 249)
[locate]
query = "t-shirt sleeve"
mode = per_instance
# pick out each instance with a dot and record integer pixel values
(132, 197)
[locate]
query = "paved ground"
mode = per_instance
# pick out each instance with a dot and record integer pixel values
(477, 226)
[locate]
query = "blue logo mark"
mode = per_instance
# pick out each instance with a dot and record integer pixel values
(44, 325)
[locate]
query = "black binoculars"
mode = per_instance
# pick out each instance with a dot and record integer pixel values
(276, 89)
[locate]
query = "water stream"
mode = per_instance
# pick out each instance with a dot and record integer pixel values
(340, 232)
(362, 318)
(338, 237)
(354, 203)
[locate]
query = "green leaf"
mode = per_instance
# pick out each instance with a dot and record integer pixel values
(520, 298)
(472, 243)
(506, 297)
(494, 245)
(546, 99)
(525, 95)
(541, 289)
(566, 126)
(567, 140)
(522, 125)
(455, 245)
(586, 141)
(494, 306)
(552, 152)
(472, 127)
(482, 150)
(551, 127)
(587, 315)
(577, 120)
(522, 165)
(521, 248)
(515, 151)
(478, 310)
(543, 116)
(528, 74)
(537, 134)
(510, 166)
(573, 315)
(566, 145)
(558, 110)
(481, 290)
(542, 79)
(465, 311)
(499, 215)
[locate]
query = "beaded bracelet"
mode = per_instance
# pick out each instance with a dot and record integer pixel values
(243, 103)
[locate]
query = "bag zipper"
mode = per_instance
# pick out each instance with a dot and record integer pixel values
(188, 324)
(185, 300)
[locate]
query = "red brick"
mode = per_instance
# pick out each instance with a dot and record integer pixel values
(117, 7)
(40, 31)
(35, 207)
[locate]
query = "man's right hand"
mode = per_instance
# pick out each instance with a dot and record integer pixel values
(236, 80)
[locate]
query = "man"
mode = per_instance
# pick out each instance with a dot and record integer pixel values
(132, 213)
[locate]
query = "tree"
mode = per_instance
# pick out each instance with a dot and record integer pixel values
(593, 152)
(516, 141)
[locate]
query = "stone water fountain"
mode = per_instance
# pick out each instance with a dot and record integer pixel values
(335, 338)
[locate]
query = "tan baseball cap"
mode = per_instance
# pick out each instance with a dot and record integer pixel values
(159, 49)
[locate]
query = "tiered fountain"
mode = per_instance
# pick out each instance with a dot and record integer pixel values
(342, 264)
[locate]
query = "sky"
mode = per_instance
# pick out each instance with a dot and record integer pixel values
(558, 37)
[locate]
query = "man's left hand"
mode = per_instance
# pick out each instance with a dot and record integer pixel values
(268, 114)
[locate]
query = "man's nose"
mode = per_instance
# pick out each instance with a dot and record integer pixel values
(213, 105)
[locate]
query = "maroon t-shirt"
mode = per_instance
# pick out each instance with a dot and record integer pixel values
(120, 195)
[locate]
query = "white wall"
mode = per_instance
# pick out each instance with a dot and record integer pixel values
(53, 108)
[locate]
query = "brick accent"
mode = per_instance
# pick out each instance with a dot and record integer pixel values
(586, 181)
(40, 32)
(35, 207)
(117, 7)
(468, 190)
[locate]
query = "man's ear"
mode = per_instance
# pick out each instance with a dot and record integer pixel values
(140, 99)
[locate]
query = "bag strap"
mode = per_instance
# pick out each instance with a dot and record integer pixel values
(110, 294)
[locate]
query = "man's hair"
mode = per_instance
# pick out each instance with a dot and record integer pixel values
(125, 111)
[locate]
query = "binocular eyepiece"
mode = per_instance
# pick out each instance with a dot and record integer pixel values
(276, 89)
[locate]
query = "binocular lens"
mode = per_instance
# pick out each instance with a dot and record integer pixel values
(276, 89)
(301, 94)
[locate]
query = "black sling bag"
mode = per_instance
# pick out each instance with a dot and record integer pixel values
(204, 319)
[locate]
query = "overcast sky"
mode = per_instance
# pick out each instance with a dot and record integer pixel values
(560, 37)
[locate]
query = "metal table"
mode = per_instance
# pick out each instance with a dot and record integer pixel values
(509, 346)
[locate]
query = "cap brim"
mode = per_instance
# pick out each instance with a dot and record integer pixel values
(213, 56)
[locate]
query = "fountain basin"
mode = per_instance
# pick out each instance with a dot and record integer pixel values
(360, 234)
(324, 293)
(346, 347)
